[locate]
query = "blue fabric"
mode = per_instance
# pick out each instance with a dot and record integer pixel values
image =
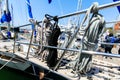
(117, 40)
(111, 39)
(35, 33)
(30, 12)
(9, 34)
(118, 7)
(49, 1)
(6, 17)
(33, 27)
(29, 9)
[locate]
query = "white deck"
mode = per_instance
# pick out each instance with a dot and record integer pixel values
(99, 63)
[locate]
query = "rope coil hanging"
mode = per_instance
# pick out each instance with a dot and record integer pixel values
(93, 30)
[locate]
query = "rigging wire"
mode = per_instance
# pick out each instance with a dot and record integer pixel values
(61, 9)
(0, 8)
(26, 17)
(79, 7)
(19, 8)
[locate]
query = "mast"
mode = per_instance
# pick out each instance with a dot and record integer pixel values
(0, 12)
(7, 10)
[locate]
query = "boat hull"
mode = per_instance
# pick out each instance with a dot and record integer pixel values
(8, 73)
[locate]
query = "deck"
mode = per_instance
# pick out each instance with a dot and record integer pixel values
(102, 68)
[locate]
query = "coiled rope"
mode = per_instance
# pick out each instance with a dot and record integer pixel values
(93, 30)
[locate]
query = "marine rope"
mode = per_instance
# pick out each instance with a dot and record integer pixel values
(93, 30)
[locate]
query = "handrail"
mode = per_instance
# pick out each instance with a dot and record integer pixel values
(27, 24)
(117, 3)
(82, 11)
(76, 50)
(115, 21)
(109, 43)
(109, 22)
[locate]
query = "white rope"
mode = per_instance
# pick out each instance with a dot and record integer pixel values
(92, 32)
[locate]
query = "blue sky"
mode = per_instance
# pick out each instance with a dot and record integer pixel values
(57, 7)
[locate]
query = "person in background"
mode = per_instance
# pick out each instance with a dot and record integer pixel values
(104, 37)
(118, 41)
(109, 39)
